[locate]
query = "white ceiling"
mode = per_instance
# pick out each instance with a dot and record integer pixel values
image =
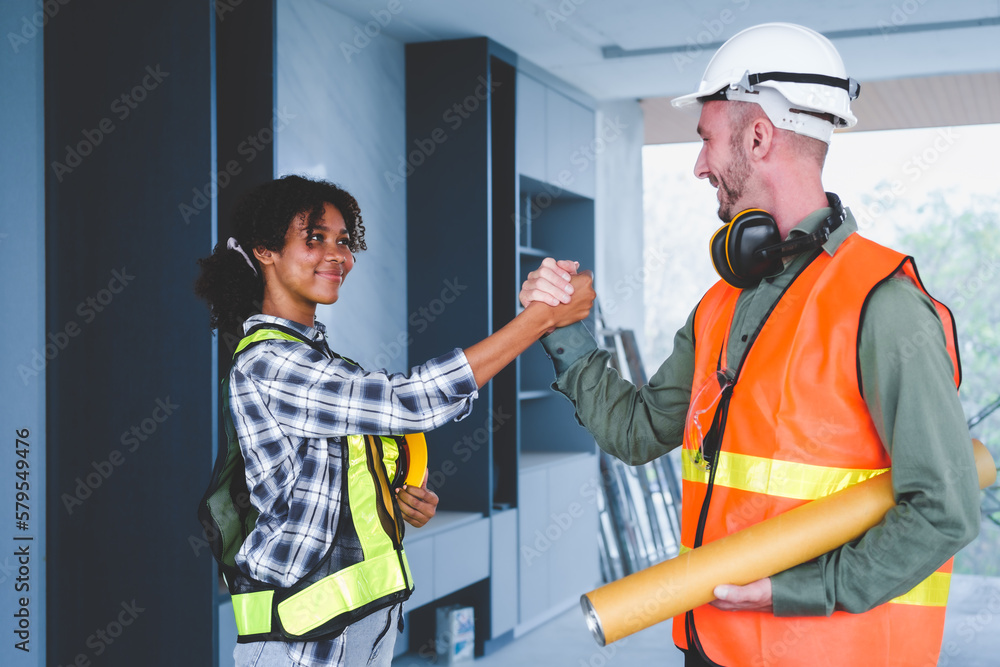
(576, 39)
(651, 49)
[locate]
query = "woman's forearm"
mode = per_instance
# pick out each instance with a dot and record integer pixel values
(488, 357)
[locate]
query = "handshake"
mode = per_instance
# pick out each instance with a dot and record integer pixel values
(557, 284)
(554, 295)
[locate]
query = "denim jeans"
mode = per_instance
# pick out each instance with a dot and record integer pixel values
(369, 641)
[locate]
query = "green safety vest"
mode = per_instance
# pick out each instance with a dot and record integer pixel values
(313, 609)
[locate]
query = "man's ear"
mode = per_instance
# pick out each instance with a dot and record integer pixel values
(263, 255)
(762, 135)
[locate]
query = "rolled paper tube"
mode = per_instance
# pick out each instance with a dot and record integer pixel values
(680, 584)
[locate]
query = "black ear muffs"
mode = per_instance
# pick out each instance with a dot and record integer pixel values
(749, 248)
(735, 245)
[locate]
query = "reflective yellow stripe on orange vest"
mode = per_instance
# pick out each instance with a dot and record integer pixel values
(803, 482)
(773, 477)
(931, 592)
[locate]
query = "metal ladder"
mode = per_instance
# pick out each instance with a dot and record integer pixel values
(639, 507)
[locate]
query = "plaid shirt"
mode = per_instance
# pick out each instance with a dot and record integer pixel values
(291, 405)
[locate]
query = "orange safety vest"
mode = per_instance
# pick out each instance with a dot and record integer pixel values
(794, 427)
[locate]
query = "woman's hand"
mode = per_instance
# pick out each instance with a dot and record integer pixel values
(580, 302)
(418, 504)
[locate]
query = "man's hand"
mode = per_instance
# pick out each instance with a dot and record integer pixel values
(417, 503)
(752, 597)
(549, 283)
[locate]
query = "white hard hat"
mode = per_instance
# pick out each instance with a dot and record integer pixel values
(781, 67)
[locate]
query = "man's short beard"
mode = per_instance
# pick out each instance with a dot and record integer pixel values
(734, 182)
(741, 115)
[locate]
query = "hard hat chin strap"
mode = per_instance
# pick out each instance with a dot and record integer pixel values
(749, 80)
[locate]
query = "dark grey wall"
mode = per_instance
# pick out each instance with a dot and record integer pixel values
(130, 398)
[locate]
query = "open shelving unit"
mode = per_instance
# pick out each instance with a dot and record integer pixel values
(484, 209)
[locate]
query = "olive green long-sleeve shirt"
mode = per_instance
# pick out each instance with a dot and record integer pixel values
(907, 376)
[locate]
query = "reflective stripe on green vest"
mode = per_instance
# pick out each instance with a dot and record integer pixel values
(390, 458)
(264, 334)
(383, 572)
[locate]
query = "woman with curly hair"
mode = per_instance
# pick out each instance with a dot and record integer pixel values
(303, 414)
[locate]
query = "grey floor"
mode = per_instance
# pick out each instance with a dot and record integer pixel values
(972, 638)
(565, 640)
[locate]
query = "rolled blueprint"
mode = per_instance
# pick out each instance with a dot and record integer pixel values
(680, 584)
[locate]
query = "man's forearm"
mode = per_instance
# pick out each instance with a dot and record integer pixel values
(634, 425)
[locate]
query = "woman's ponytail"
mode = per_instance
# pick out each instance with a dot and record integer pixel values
(231, 285)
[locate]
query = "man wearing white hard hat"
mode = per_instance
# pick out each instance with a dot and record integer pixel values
(816, 362)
